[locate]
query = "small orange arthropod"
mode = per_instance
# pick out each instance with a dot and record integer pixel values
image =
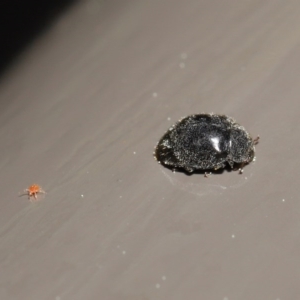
(33, 191)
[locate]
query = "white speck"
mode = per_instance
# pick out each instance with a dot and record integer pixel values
(233, 236)
(183, 56)
(283, 200)
(57, 298)
(134, 152)
(246, 178)
(123, 252)
(157, 285)
(254, 158)
(154, 95)
(164, 278)
(82, 196)
(120, 197)
(226, 298)
(182, 65)
(169, 119)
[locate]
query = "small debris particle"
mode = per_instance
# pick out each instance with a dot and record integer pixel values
(283, 200)
(164, 278)
(134, 152)
(123, 252)
(182, 65)
(157, 285)
(233, 236)
(154, 95)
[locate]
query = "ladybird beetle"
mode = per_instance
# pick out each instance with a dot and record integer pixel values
(205, 142)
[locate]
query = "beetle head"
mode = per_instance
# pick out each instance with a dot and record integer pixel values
(241, 146)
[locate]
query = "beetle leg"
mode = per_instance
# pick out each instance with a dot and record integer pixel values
(190, 170)
(256, 140)
(207, 174)
(241, 168)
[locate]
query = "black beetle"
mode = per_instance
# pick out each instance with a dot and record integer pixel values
(205, 142)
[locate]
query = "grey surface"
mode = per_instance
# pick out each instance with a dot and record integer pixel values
(81, 111)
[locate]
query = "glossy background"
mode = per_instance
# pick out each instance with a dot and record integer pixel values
(83, 106)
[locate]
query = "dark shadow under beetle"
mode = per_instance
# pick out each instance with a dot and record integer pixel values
(209, 172)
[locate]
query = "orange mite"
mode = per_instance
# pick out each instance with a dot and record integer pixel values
(33, 191)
